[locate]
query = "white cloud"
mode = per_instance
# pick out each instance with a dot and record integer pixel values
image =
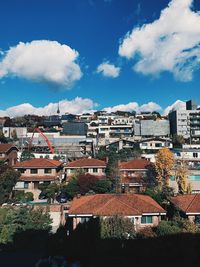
(134, 106)
(171, 43)
(177, 105)
(76, 106)
(108, 70)
(42, 61)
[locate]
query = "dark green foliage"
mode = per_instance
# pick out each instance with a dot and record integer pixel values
(51, 191)
(72, 188)
(178, 141)
(13, 221)
(117, 227)
(102, 186)
(87, 183)
(26, 155)
(22, 196)
(160, 196)
(167, 228)
(8, 179)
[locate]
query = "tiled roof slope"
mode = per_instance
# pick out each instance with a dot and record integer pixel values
(38, 163)
(134, 164)
(112, 204)
(80, 163)
(187, 203)
(5, 147)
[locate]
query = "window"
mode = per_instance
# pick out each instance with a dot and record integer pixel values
(22, 170)
(34, 171)
(47, 170)
(146, 219)
(95, 170)
(86, 169)
(84, 219)
(26, 185)
(195, 155)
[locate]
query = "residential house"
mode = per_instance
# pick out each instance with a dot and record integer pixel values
(8, 154)
(88, 165)
(36, 171)
(154, 144)
(141, 209)
(188, 206)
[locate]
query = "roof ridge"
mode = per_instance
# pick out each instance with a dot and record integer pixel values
(191, 202)
(147, 201)
(81, 204)
(128, 205)
(106, 204)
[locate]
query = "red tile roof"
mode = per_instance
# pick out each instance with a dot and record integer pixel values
(134, 164)
(187, 203)
(115, 204)
(36, 178)
(5, 147)
(84, 163)
(38, 163)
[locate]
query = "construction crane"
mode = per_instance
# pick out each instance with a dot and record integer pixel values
(44, 136)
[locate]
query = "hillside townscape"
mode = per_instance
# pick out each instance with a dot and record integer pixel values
(99, 133)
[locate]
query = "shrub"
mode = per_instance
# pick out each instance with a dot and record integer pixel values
(168, 228)
(146, 232)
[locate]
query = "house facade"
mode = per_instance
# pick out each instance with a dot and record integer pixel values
(87, 165)
(141, 209)
(188, 206)
(36, 171)
(8, 154)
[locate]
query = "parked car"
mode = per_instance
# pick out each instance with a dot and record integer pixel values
(42, 195)
(61, 197)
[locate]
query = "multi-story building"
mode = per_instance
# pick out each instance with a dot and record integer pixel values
(186, 122)
(152, 128)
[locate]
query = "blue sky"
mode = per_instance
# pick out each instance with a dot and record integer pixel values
(96, 29)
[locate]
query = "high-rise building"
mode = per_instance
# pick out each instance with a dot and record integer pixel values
(186, 122)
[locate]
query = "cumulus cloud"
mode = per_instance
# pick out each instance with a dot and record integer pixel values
(134, 106)
(76, 106)
(177, 105)
(171, 43)
(42, 61)
(108, 70)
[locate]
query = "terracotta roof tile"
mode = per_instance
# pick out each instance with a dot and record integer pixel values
(38, 163)
(112, 204)
(134, 164)
(5, 147)
(187, 203)
(82, 163)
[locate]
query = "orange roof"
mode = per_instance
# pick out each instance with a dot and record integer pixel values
(134, 164)
(38, 163)
(36, 178)
(5, 147)
(115, 204)
(83, 163)
(187, 203)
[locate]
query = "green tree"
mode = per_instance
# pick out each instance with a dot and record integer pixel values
(8, 179)
(51, 191)
(117, 227)
(26, 155)
(178, 140)
(13, 221)
(72, 188)
(102, 186)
